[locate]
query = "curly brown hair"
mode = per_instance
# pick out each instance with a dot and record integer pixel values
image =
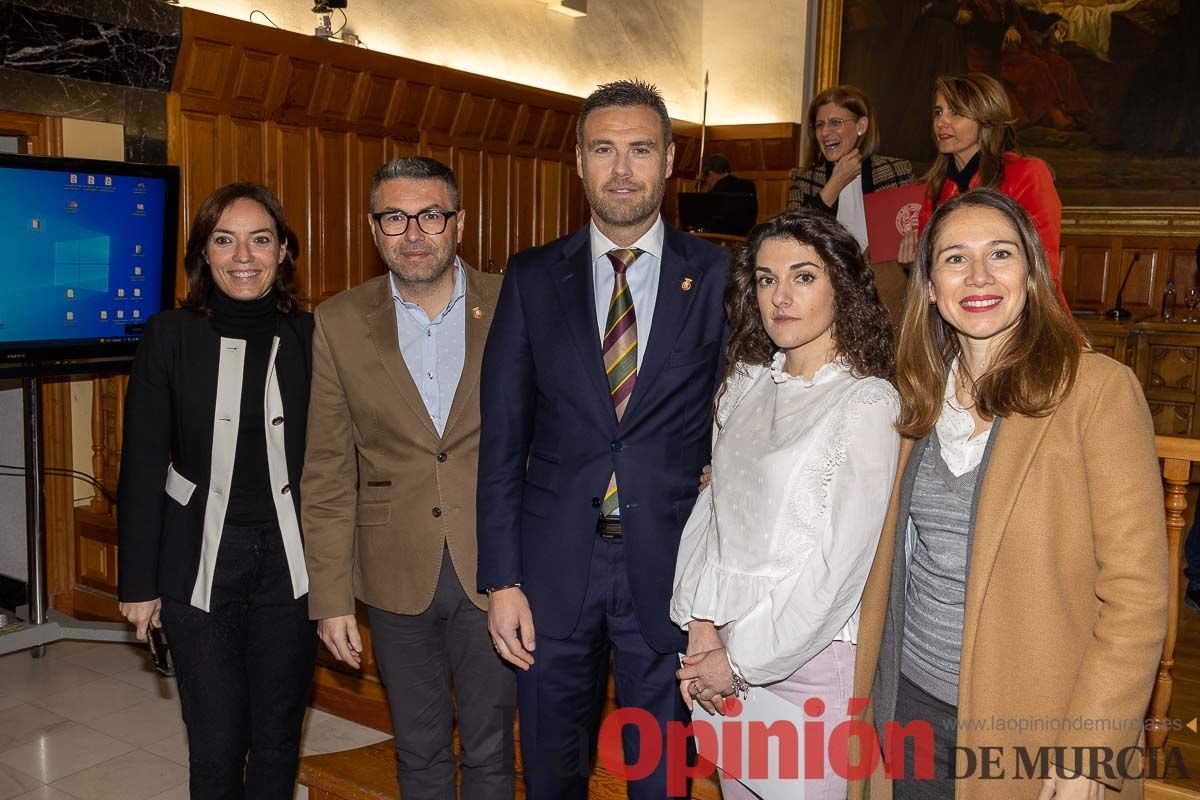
(862, 330)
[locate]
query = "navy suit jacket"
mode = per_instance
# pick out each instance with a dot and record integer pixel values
(550, 437)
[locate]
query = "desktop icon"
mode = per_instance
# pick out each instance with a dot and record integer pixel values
(120, 292)
(103, 315)
(137, 270)
(136, 313)
(91, 180)
(120, 314)
(74, 178)
(137, 249)
(108, 180)
(137, 292)
(70, 316)
(70, 293)
(35, 224)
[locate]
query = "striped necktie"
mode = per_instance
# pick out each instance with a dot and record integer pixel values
(620, 350)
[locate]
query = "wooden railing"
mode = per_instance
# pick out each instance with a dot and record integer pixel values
(1177, 454)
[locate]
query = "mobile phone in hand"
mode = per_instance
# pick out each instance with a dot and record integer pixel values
(160, 652)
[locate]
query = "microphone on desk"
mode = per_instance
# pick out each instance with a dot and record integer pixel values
(1118, 310)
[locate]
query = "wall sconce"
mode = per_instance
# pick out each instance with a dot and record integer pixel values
(570, 8)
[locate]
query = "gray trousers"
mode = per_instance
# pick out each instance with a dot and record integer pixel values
(420, 657)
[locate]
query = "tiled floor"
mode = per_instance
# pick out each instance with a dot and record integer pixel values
(94, 722)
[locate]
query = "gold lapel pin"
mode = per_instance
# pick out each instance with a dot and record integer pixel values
(477, 312)
(686, 285)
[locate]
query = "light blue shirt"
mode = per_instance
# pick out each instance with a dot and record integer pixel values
(434, 349)
(642, 276)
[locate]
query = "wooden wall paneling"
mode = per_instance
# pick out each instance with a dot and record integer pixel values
(58, 490)
(256, 78)
(550, 196)
(1181, 266)
(370, 156)
(399, 148)
(291, 175)
(523, 205)
(468, 169)
(500, 200)
(409, 109)
(1086, 283)
(338, 93)
(332, 221)
(1140, 258)
(37, 134)
(301, 78)
(248, 151)
(206, 66)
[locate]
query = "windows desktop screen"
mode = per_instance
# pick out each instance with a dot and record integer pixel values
(83, 256)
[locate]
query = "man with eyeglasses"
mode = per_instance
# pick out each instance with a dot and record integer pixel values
(389, 487)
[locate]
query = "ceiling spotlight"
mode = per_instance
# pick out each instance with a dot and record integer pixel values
(325, 6)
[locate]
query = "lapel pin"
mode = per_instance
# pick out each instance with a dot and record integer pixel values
(686, 285)
(477, 312)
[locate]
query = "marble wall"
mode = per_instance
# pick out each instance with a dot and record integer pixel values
(102, 60)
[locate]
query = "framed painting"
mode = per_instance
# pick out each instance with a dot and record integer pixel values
(1105, 91)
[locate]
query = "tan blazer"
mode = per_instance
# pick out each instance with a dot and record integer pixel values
(1066, 605)
(381, 490)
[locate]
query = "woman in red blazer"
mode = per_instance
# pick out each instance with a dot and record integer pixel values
(977, 146)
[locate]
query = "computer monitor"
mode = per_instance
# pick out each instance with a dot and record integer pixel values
(89, 255)
(714, 212)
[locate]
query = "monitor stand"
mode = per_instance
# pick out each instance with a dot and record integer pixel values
(37, 625)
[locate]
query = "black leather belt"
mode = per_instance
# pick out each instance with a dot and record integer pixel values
(608, 527)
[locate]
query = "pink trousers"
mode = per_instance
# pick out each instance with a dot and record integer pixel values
(829, 676)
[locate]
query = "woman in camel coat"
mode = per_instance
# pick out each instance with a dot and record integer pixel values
(1047, 451)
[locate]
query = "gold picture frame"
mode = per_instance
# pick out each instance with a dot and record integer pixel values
(1081, 220)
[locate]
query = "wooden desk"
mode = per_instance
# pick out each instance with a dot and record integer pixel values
(1166, 358)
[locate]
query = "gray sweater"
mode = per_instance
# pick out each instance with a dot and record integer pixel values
(937, 580)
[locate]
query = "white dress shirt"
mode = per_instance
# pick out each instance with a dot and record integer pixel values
(642, 276)
(955, 428)
(852, 211)
(779, 546)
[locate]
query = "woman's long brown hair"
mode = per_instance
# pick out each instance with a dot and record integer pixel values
(981, 98)
(1035, 365)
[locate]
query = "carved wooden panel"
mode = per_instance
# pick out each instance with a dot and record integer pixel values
(1089, 289)
(524, 212)
(555, 130)
(255, 71)
(249, 151)
(291, 175)
(1139, 261)
(473, 117)
(1172, 371)
(499, 228)
(332, 243)
(1181, 266)
(301, 84)
(206, 68)
(377, 99)
(97, 564)
(1172, 419)
(413, 100)
(468, 168)
(502, 122)
(443, 111)
(338, 90)
(529, 126)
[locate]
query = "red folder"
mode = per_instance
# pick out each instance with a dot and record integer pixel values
(890, 214)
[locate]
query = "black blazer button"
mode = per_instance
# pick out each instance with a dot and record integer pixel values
(441, 457)
(617, 447)
(287, 487)
(437, 512)
(596, 502)
(277, 421)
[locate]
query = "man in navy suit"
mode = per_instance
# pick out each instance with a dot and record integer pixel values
(596, 398)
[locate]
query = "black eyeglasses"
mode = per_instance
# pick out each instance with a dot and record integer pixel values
(395, 223)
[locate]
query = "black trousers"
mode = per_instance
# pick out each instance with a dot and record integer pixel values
(244, 670)
(915, 704)
(419, 657)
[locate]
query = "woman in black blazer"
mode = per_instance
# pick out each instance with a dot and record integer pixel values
(209, 506)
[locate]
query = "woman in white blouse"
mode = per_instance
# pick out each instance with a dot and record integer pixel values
(773, 560)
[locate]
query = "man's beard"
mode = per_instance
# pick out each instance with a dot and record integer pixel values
(623, 214)
(418, 275)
